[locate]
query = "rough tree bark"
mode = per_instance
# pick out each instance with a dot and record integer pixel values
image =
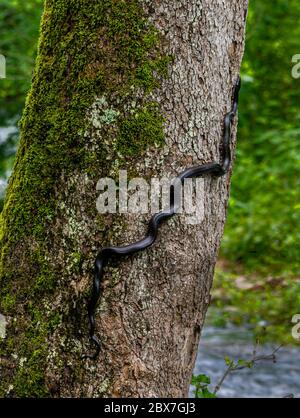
(141, 85)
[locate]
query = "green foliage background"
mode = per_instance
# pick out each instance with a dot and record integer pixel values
(19, 27)
(262, 233)
(263, 226)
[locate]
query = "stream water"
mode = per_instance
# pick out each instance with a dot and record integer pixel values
(5, 132)
(266, 379)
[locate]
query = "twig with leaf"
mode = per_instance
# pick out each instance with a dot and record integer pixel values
(202, 381)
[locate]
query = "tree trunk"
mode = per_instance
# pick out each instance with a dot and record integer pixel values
(136, 85)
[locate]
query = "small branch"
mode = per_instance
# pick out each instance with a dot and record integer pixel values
(221, 381)
(248, 364)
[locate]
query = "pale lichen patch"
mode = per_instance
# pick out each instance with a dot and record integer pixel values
(101, 114)
(104, 386)
(3, 324)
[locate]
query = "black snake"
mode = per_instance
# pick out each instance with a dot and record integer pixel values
(214, 168)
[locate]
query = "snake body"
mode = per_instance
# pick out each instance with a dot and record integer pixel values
(217, 169)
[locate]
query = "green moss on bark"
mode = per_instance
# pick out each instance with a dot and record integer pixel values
(106, 46)
(87, 49)
(140, 131)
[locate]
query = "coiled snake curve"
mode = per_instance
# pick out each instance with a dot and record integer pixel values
(214, 168)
